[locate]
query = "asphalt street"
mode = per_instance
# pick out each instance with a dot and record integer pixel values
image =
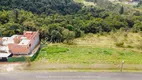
(69, 76)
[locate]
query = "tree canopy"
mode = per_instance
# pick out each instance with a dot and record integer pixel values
(64, 20)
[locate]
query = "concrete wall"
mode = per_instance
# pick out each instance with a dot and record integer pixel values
(34, 42)
(18, 49)
(0, 41)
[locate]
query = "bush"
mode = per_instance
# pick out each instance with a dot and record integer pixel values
(137, 27)
(68, 35)
(56, 36)
(139, 46)
(35, 55)
(16, 59)
(129, 46)
(119, 44)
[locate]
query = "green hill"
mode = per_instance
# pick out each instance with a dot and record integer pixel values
(64, 20)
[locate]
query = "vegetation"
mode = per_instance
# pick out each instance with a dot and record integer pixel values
(54, 49)
(140, 4)
(64, 20)
(95, 49)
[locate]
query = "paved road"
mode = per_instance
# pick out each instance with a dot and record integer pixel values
(69, 76)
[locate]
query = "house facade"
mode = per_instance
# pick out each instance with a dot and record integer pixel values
(19, 44)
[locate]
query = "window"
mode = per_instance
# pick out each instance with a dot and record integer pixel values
(29, 45)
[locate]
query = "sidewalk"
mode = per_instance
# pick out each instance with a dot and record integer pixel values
(44, 66)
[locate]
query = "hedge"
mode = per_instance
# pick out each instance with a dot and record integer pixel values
(16, 59)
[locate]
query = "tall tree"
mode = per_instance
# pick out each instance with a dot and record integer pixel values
(121, 10)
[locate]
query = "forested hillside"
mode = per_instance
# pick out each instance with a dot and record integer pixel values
(60, 20)
(42, 6)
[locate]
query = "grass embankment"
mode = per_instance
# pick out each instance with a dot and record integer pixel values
(110, 48)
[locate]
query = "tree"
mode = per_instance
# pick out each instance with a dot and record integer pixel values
(56, 36)
(137, 26)
(121, 10)
(68, 35)
(42, 6)
(4, 18)
(10, 29)
(16, 15)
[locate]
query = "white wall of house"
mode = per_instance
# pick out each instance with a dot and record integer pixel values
(4, 49)
(7, 40)
(35, 43)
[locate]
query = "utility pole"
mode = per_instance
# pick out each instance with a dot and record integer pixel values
(121, 66)
(0, 34)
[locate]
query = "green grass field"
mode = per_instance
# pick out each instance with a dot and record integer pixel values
(61, 53)
(94, 51)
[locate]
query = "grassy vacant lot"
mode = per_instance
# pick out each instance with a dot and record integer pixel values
(100, 48)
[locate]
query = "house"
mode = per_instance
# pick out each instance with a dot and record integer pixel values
(18, 44)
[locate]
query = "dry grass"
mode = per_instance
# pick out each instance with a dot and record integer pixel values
(131, 41)
(96, 48)
(85, 2)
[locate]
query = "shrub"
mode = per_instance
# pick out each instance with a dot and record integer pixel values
(68, 36)
(139, 46)
(130, 46)
(137, 26)
(56, 36)
(119, 44)
(16, 59)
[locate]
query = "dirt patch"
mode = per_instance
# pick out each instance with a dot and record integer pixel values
(9, 67)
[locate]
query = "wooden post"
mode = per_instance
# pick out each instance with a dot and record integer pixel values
(121, 66)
